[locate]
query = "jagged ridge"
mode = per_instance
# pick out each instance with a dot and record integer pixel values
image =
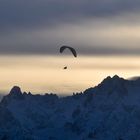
(109, 111)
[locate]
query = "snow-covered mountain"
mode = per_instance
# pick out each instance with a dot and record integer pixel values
(109, 111)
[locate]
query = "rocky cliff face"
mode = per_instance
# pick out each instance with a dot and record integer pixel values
(109, 111)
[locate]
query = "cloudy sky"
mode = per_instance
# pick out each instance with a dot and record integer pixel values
(91, 26)
(105, 33)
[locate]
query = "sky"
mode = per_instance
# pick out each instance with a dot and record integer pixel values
(105, 34)
(45, 74)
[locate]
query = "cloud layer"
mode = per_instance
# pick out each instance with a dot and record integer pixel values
(40, 26)
(27, 13)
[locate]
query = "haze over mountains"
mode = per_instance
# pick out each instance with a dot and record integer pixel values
(109, 111)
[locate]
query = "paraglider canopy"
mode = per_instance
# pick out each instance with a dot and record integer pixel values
(70, 48)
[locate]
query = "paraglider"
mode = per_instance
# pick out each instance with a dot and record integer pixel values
(70, 48)
(73, 51)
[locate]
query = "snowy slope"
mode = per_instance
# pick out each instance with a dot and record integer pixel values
(109, 111)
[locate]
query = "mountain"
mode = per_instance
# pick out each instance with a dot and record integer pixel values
(109, 111)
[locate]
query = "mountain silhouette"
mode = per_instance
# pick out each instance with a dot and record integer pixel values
(109, 111)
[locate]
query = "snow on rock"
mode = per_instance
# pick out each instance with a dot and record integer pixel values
(109, 111)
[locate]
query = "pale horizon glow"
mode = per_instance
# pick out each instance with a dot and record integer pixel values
(44, 74)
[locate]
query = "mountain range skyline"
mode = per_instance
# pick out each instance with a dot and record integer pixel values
(109, 111)
(16, 89)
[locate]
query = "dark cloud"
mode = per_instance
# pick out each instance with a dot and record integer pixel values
(22, 24)
(34, 13)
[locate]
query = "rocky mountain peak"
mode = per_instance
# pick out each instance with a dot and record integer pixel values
(15, 91)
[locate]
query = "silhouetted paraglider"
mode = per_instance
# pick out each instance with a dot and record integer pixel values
(70, 48)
